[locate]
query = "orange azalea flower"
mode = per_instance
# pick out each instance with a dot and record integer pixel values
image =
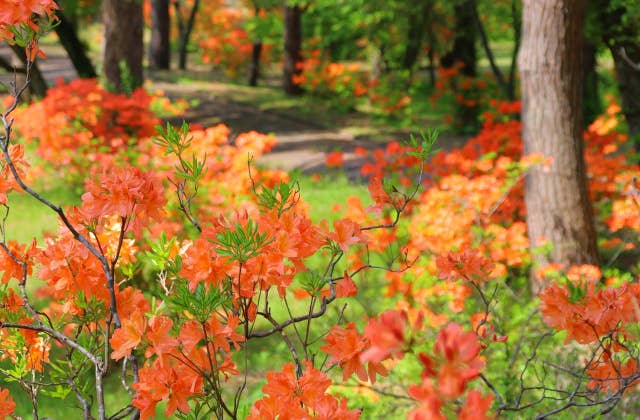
(430, 402)
(462, 362)
(609, 375)
(334, 159)
(11, 268)
(127, 337)
(7, 405)
(38, 353)
(345, 347)
(346, 287)
(125, 192)
(164, 383)
(14, 12)
(158, 336)
(476, 407)
(347, 233)
(289, 397)
(386, 335)
(12, 302)
(468, 264)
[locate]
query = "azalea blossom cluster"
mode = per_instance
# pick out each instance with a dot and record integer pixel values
(594, 313)
(173, 264)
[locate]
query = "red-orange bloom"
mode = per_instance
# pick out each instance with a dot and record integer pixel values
(127, 337)
(287, 397)
(158, 335)
(126, 192)
(347, 233)
(468, 264)
(335, 159)
(386, 335)
(476, 407)
(345, 347)
(7, 406)
(462, 362)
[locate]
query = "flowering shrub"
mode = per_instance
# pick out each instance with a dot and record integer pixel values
(226, 35)
(235, 260)
(349, 85)
(342, 83)
(80, 123)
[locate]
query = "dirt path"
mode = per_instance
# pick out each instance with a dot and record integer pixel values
(302, 144)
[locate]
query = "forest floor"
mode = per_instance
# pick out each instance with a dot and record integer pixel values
(304, 136)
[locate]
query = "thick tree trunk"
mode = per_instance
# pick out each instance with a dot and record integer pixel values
(122, 48)
(557, 199)
(159, 52)
(464, 52)
(73, 46)
(292, 48)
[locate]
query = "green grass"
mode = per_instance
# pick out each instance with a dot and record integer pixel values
(29, 219)
(332, 188)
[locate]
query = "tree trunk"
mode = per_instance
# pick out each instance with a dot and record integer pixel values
(621, 35)
(38, 85)
(159, 52)
(415, 34)
(557, 200)
(592, 106)
(185, 29)
(464, 52)
(122, 51)
(629, 87)
(254, 73)
(73, 46)
(292, 48)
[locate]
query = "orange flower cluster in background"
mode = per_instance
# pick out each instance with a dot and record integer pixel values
(79, 123)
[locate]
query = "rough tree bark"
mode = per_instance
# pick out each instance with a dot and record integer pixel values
(123, 25)
(159, 52)
(292, 48)
(557, 200)
(73, 46)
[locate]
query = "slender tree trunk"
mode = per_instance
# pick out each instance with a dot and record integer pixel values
(38, 85)
(123, 23)
(292, 48)
(557, 199)
(254, 73)
(464, 53)
(629, 87)
(159, 51)
(621, 36)
(592, 106)
(76, 51)
(415, 34)
(185, 29)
